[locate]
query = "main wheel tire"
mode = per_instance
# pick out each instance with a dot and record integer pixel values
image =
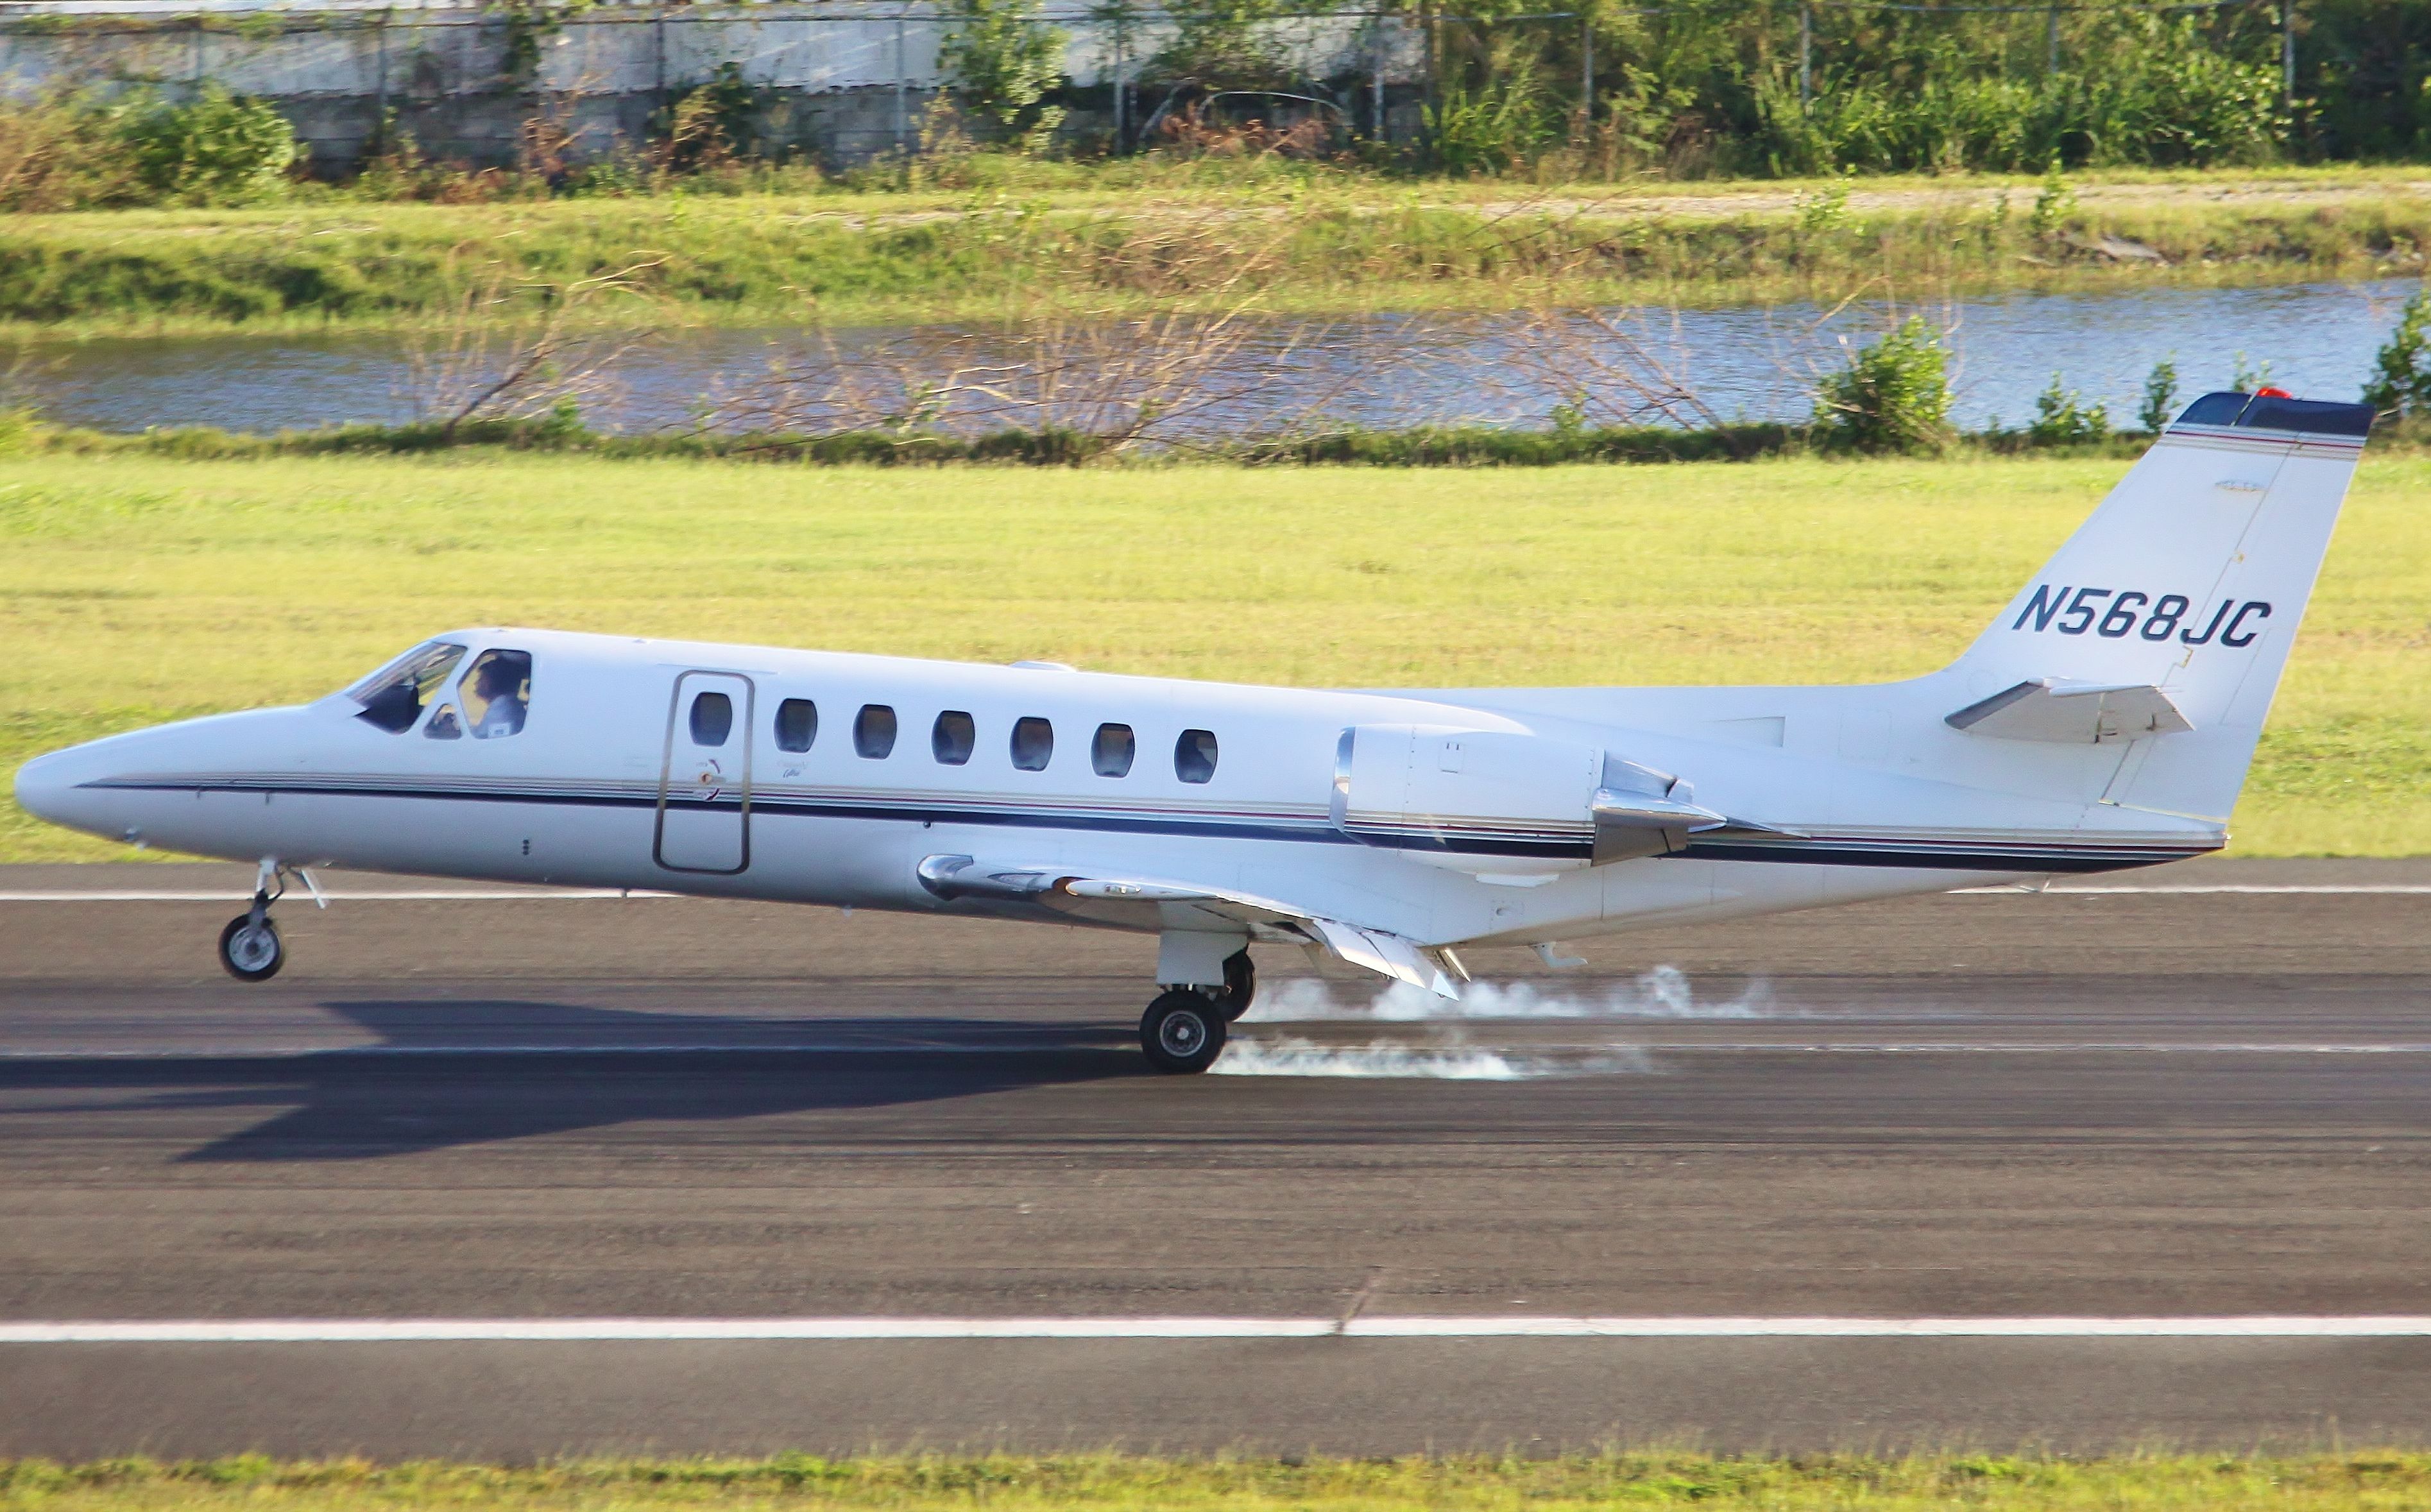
(1183, 1031)
(1240, 984)
(251, 952)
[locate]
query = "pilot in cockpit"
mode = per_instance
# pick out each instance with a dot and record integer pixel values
(498, 693)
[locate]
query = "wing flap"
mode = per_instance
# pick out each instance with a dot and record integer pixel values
(1144, 902)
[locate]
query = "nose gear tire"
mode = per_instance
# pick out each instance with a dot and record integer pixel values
(251, 952)
(1183, 1031)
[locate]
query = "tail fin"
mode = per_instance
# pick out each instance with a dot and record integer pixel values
(2164, 623)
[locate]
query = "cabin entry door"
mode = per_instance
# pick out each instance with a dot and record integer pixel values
(704, 821)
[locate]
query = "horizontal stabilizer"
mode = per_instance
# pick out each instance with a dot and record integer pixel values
(2074, 713)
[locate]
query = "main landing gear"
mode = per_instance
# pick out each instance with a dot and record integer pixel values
(249, 946)
(1183, 1030)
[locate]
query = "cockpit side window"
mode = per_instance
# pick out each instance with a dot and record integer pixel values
(497, 691)
(394, 696)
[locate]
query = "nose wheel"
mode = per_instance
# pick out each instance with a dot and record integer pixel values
(1183, 1031)
(250, 946)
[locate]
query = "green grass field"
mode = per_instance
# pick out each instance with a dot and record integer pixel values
(1318, 241)
(134, 590)
(1842, 1483)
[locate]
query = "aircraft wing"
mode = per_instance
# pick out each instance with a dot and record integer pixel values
(1161, 903)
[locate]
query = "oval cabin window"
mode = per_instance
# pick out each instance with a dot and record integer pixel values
(1110, 754)
(953, 737)
(1033, 744)
(797, 723)
(712, 719)
(1194, 756)
(873, 732)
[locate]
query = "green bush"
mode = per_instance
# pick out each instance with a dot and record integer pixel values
(57, 153)
(2151, 91)
(214, 149)
(1893, 395)
(1495, 128)
(2401, 378)
(1003, 60)
(2160, 397)
(2062, 418)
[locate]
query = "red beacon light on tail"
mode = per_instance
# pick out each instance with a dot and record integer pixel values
(2266, 391)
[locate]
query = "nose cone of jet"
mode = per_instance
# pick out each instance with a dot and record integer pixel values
(55, 788)
(45, 786)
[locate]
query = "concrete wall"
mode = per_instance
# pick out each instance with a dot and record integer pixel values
(855, 75)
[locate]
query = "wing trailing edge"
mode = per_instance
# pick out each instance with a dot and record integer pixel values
(1155, 903)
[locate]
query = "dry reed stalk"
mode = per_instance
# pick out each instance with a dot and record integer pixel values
(1170, 379)
(467, 367)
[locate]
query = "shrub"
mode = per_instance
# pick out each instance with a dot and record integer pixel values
(1003, 61)
(57, 153)
(1893, 395)
(2160, 397)
(2062, 418)
(2053, 204)
(214, 149)
(2149, 90)
(2400, 376)
(1496, 127)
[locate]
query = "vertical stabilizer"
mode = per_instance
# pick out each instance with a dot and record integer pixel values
(2163, 625)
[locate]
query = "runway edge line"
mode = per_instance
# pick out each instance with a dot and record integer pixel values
(645, 1330)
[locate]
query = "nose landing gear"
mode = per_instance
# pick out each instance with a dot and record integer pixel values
(249, 946)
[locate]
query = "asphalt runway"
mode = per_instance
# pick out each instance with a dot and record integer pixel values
(2086, 1104)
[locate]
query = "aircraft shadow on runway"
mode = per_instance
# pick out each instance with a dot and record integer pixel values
(477, 1072)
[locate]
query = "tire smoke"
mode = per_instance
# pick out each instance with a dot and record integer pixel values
(1663, 992)
(1445, 1062)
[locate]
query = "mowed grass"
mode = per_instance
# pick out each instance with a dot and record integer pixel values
(1844, 1483)
(139, 590)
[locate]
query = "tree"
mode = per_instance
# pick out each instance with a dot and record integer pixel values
(1003, 60)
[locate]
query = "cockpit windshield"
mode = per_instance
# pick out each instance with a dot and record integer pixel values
(394, 696)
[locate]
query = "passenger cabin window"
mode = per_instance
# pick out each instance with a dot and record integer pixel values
(1033, 744)
(496, 690)
(797, 723)
(712, 719)
(873, 732)
(953, 737)
(1110, 754)
(1194, 756)
(394, 696)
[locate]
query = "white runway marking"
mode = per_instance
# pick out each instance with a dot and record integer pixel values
(1287, 1057)
(2387, 889)
(500, 894)
(419, 895)
(605, 1330)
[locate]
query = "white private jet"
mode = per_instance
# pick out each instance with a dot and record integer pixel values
(2104, 720)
